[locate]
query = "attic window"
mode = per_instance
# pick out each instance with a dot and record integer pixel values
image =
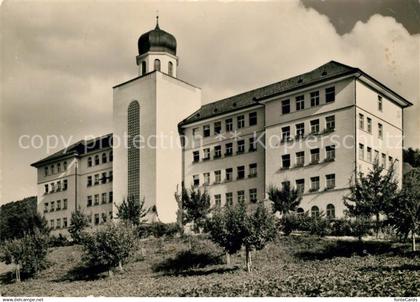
(234, 104)
(300, 80)
(215, 110)
(324, 73)
(197, 115)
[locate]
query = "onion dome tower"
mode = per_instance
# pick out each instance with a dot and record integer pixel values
(157, 51)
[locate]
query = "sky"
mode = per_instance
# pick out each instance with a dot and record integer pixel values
(60, 60)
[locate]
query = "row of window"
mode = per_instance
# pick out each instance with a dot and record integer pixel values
(157, 67)
(55, 168)
(314, 183)
(106, 197)
(314, 157)
(96, 219)
(97, 160)
(56, 186)
(55, 206)
(217, 151)
(58, 225)
(369, 125)
(252, 172)
(314, 128)
(99, 178)
(314, 100)
(252, 193)
(228, 125)
(315, 212)
(373, 155)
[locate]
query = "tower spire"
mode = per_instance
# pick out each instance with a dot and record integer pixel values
(157, 19)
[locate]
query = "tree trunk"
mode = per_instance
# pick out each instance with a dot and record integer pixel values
(18, 272)
(413, 236)
(120, 267)
(189, 242)
(227, 258)
(248, 259)
(377, 226)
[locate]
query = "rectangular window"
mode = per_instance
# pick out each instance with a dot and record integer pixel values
(96, 219)
(369, 154)
(380, 103)
(65, 222)
(97, 160)
(285, 184)
(217, 127)
(65, 166)
(329, 94)
(111, 197)
(206, 177)
(52, 223)
(58, 185)
(206, 130)
(59, 167)
(229, 124)
(111, 156)
(206, 155)
(89, 181)
(285, 134)
(300, 130)
(104, 158)
(96, 198)
(300, 159)
(58, 205)
(361, 121)
(300, 102)
(314, 183)
(229, 174)
(361, 151)
(96, 179)
(195, 132)
(384, 160)
(229, 198)
(52, 208)
(314, 98)
(315, 126)
(58, 223)
(89, 201)
(45, 207)
(45, 189)
(253, 170)
(65, 184)
(217, 151)
(241, 172)
(217, 176)
(52, 169)
(229, 149)
(103, 179)
(315, 156)
(380, 131)
(45, 171)
(330, 123)
(65, 204)
(241, 121)
(330, 181)
(252, 118)
(285, 106)
(241, 146)
(196, 156)
(196, 180)
(218, 200)
(110, 176)
(52, 187)
(330, 152)
(300, 185)
(241, 196)
(369, 125)
(252, 144)
(104, 198)
(376, 158)
(285, 161)
(253, 195)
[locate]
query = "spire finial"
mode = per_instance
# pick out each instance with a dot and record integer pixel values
(157, 19)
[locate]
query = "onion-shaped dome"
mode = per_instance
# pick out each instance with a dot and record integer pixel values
(157, 40)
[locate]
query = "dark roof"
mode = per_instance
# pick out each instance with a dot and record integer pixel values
(77, 149)
(327, 71)
(157, 40)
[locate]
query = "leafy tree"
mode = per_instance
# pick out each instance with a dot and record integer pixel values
(412, 156)
(27, 253)
(180, 211)
(195, 207)
(132, 210)
(232, 227)
(110, 246)
(404, 212)
(372, 193)
(78, 223)
(285, 200)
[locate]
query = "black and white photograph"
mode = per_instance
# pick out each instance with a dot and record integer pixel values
(209, 149)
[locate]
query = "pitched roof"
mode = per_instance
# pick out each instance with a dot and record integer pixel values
(327, 71)
(77, 149)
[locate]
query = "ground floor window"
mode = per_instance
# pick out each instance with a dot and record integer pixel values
(330, 211)
(314, 211)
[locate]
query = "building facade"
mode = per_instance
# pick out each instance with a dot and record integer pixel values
(314, 131)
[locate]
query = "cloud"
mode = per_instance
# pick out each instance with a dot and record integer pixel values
(61, 59)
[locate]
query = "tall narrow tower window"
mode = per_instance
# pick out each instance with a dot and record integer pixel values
(143, 68)
(157, 64)
(170, 68)
(133, 131)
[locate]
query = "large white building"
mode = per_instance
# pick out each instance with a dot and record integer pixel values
(314, 131)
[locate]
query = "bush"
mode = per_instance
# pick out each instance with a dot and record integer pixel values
(341, 227)
(110, 246)
(158, 229)
(78, 223)
(28, 253)
(60, 240)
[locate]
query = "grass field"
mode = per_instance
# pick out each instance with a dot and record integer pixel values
(294, 266)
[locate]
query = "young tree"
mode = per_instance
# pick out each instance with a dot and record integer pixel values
(180, 197)
(78, 223)
(404, 211)
(132, 210)
(285, 200)
(110, 246)
(372, 193)
(195, 207)
(232, 227)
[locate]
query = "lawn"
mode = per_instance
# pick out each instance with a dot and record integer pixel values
(290, 266)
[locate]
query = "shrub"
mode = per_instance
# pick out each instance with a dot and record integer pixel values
(59, 240)
(78, 223)
(341, 227)
(28, 253)
(158, 229)
(110, 246)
